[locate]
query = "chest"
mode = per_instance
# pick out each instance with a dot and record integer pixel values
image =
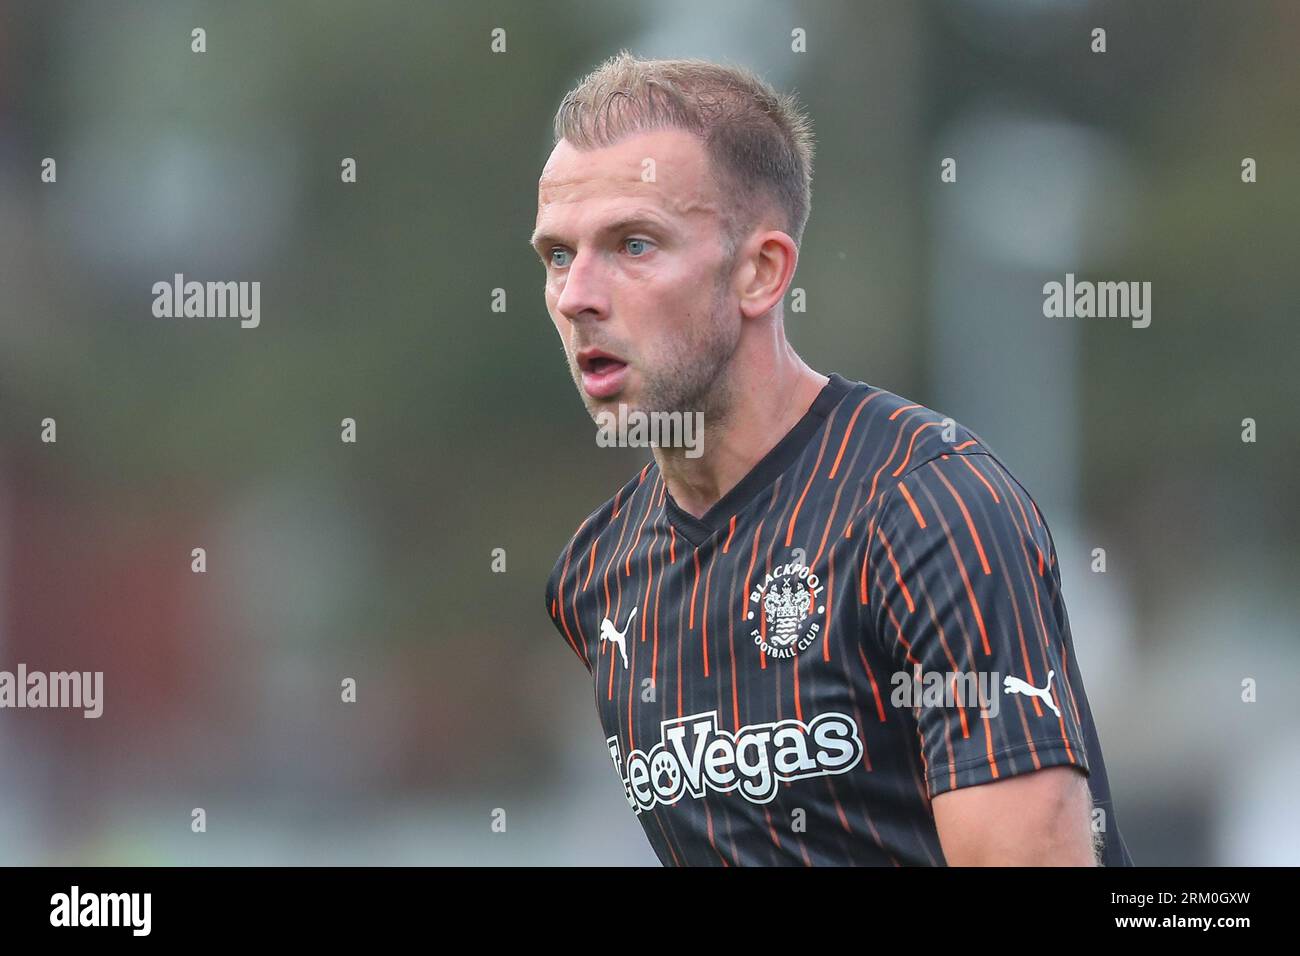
(727, 670)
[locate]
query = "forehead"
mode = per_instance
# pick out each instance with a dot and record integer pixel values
(575, 179)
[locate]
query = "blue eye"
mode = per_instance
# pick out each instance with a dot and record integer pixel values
(557, 252)
(628, 245)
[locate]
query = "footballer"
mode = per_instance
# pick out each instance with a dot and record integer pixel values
(750, 612)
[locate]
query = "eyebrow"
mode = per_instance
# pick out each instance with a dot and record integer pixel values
(540, 240)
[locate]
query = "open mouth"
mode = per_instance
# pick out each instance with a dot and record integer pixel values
(602, 373)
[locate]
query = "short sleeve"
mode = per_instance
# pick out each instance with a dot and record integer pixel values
(965, 598)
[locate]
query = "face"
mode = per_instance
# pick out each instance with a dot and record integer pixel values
(637, 282)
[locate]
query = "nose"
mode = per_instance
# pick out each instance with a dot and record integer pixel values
(583, 294)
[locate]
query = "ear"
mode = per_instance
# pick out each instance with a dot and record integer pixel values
(765, 270)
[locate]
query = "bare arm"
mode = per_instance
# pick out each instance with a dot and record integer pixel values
(1041, 818)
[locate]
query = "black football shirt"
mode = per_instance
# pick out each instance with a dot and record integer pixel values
(871, 617)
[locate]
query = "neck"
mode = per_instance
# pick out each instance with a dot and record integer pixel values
(767, 399)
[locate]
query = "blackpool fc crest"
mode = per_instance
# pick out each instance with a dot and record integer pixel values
(784, 608)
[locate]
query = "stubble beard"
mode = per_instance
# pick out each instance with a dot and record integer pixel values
(694, 373)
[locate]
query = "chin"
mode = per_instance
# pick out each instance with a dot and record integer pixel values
(597, 406)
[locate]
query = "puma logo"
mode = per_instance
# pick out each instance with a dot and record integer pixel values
(610, 633)
(1014, 685)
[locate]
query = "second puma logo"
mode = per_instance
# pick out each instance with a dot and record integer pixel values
(1014, 685)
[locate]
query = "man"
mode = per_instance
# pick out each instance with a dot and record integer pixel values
(782, 625)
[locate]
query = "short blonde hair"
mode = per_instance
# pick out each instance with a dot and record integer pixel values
(759, 141)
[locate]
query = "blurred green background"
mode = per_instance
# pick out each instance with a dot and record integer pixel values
(373, 560)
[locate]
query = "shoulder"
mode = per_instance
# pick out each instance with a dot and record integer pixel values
(599, 521)
(880, 436)
(899, 451)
